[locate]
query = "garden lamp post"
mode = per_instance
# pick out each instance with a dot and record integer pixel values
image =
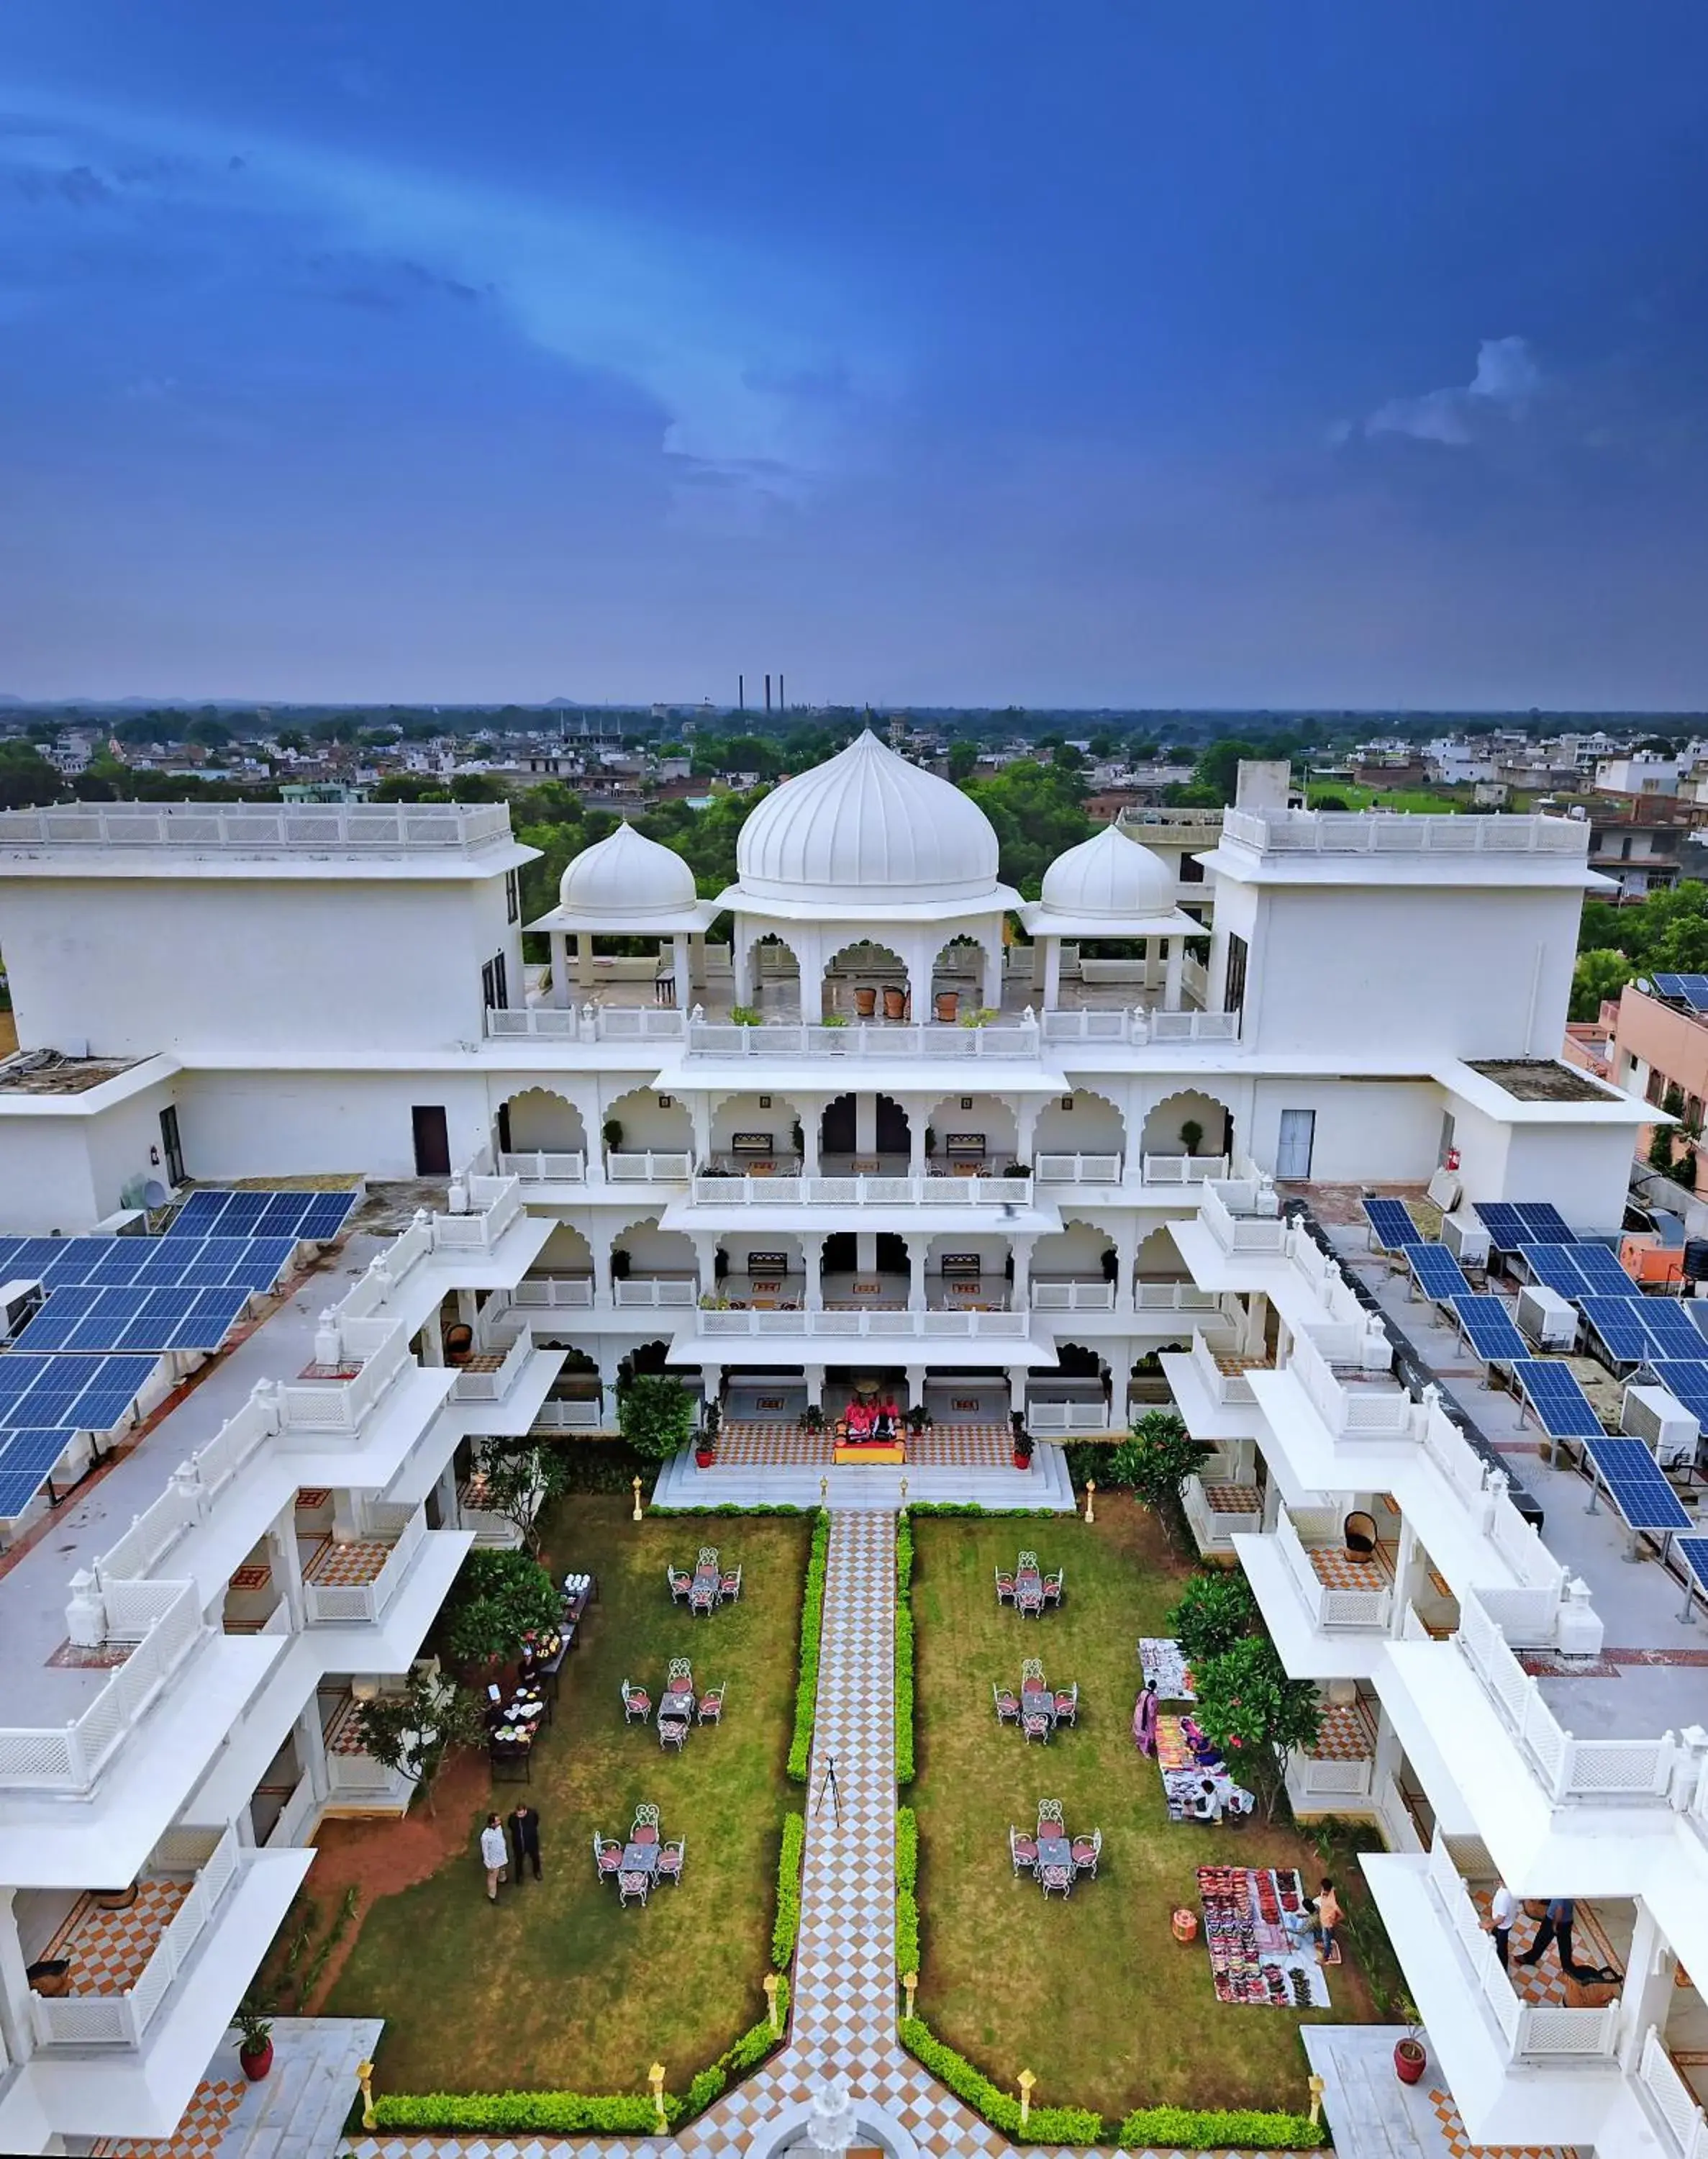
(637, 1499)
(1026, 2081)
(655, 2077)
(1089, 1488)
(769, 1984)
(1316, 2089)
(910, 1980)
(364, 2077)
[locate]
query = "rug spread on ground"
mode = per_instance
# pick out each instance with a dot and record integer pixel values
(1254, 1928)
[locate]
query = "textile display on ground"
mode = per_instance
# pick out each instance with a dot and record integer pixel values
(1165, 1669)
(1183, 1772)
(1256, 1923)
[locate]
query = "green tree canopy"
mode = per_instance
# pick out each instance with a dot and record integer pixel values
(655, 1414)
(1597, 975)
(1255, 1714)
(1668, 932)
(1037, 811)
(498, 1597)
(1216, 1610)
(26, 780)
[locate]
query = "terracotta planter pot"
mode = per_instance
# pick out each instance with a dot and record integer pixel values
(1021, 1461)
(116, 1900)
(1184, 1924)
(947, 1003)
(257, 2064)
(704, 1457)
(1409, 2060)
(865, 1003)
(895, 1003)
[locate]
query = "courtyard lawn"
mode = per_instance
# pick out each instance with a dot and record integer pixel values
(1092, 1994)
(558, 1987)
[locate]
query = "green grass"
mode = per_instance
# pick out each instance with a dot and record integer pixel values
(558, 1986)
(1093, 1994)
(1420, 801)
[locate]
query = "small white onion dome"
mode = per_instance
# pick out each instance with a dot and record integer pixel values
(626, 874)
(1108, 875)
(866, 822)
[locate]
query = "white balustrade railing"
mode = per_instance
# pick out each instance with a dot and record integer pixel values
(1073, 1297)
(568, 1165)
(1367, 1405)
(555, 1292)
(899, 1040)
(944, 1326)
(1373, 832)
(1366, 1609)
(568, 1416)
(1139, 1027)
(586, 1023)
(494, 1203)
(1174, 1296)
(1532, 2032)
(1076, 1168)
(1064, 1420)
(262, 827)
(861, 1191)
(379, 1347)
(656, 1292)
(1672, 2099)
(494, 1387)
(647, 1167)
(359, 1776)
(347, 1604)
(1229, 1212)
(1604, 1772)
(1312, 1777)
(122, 2020)
(1185, 1168)
(1229, 1389)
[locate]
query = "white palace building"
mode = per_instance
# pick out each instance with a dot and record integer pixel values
(875, 1136)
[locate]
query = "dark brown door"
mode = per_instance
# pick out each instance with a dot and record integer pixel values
(433, 1141)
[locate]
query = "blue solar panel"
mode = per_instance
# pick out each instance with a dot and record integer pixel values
(1618, 1321)
(303, 1217)
(1563, 1409)
(1686, 1378)
(1391, 1223)
(1693, 1550)
(1601, 1269)
(1437, 1272)
(1506, 1232)
(1555, 1267)
(1691, 989)
(1544, 1223)
(1489, 1329)
(26, 1458)
(80, 1394)
(83, 1318)
(1672, 1327)
(1639, 1490)
(166, 1262)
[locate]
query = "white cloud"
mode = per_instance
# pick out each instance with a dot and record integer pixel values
(1505, 378)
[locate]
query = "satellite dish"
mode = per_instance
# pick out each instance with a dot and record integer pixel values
(153, 1194)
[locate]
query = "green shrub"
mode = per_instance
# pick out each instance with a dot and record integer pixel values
(788, 1921)
(1046, 2124)
(906, 1891)
(655, 1414)
(904, 1655)
(1193, 2127)
(497, 1597)
(614, 2113)
(812, 1617)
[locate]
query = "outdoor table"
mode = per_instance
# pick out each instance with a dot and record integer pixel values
(1051, 1851)
(1037, 1701)
(1029, 1590)
(640, 1859)
(548, 1669)
(677, 1702)
(705, 1589)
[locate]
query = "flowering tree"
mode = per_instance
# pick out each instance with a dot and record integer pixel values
(1216, 1609)
(1255, 1714)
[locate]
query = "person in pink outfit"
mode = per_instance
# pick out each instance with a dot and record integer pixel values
(1145, 1719)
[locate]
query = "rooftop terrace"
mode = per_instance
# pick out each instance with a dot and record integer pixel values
(263, 828)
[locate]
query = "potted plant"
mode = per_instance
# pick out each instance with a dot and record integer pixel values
(612, 1133)
(1016, 1169)
(895, 1003)
(1191, 1133)
(255, 2045)
(930, 1140)
(705, 1448)
(1409, 2055)
(834, 1019)
(946, 1004)
(812, 1418)
(1022, 1450)
(918, 1419)
(744, 1015)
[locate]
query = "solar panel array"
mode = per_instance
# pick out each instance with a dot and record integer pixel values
(82, 1319)
(1489, 1330)
(254, 1264)
(1391, 1223)
(26, 1457)
(1551, 1389)
(1579, 1270)
(305, 1217)
(1686, 1379)
(1513, 1224)
(1691, 989)
(1693, 1550)
(1638, 1484)
(1436, 1272)
(1639, 1329)
(71, 1394)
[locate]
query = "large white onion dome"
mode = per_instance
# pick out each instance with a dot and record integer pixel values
(626, 874)
(867, 824)
(1108, 875)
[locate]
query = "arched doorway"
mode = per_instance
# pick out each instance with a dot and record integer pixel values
(860, 1129)
(540, 1122)
(1190, 1124)
(865, 981)
(957, 980)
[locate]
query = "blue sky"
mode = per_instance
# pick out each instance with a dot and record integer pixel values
(961, 352)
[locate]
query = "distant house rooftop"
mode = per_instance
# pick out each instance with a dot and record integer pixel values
(1538, 1080)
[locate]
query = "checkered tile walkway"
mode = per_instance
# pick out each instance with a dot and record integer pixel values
(1462, 2147)
(844, 2005)
(346, 1567)
(1543, 1983)
(200, 2128)
(767, 1444)
(1346, 1733)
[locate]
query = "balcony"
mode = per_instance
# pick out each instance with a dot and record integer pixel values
(1355, 832)
(542, 1167)
(355, 1782)
(1672, 2100)
(897, 1042)
(1137, 1027)
(1337, 1588)
(1185, 1168)
(655, 1292)
(1076, 1168)
(490, 1375)
(600, 1023)
(351, 1584)
(554, 1293)
(862, 1191)
(1074, 1295)
(264, 828)
(648, 1167)
(1221, 1504)
(1341, 1768)
(1224, 1374)
(1345, 1369)
(561, 1416)
(1244, 1215)
(835, 1326)
(123, 1963)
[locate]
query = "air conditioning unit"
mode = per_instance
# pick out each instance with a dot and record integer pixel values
(19, 1302)
(1466, 1239)
(1547, 1319)
(1653, 1415)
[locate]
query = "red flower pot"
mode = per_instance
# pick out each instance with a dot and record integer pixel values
(1409, 2060)
(704, 1458)
(1021, 1461)
(256, 2065)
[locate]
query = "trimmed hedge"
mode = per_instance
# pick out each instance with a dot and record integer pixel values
(904, 1654)
(618, 2113)
(1215, 2126)
(788, 1921)
(725, 1507)
(812, 1618)
(1045, 2125)
(969, 1507)
(906, 1891)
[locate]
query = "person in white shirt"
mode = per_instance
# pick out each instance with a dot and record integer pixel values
(495, 1856)
(1502, 1910)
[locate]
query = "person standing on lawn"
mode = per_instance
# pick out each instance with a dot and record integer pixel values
(1145, 1719)
(525, 1838)
(1328, 1917)
(494, 1857)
